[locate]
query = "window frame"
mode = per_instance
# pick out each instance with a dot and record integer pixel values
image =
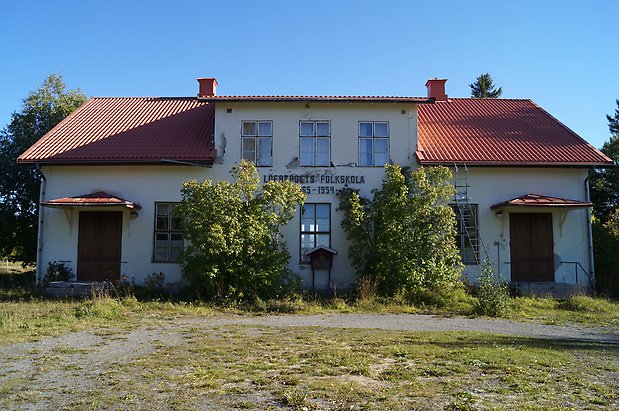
(373, 138)
(256, 139)
(170, 231)
(315, 137)
(302, 259)
(461, 236)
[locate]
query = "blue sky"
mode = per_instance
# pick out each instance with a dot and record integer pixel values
(561, 54)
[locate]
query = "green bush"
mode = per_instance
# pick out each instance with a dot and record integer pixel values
(403, 238)
(606, 260)
(492, 293)
(57, 271)
(236, 251)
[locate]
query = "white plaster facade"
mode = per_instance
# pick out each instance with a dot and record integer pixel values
(148, 184)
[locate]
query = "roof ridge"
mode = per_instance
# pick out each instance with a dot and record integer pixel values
(143, 97)
(491, 99)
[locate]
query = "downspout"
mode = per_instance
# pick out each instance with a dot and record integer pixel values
(39, 278)
(590, 237)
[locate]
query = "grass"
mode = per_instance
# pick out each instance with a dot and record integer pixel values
(258, 367)
(25, 314)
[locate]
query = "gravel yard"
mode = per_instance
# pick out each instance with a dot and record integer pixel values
(128, 368)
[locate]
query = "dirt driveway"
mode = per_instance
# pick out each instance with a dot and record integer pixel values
(51, 373)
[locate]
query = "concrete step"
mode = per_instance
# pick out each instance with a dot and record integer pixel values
(76, 289)
(556, 290)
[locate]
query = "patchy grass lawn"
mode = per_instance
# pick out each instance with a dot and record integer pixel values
(298, 368)
(295, 368)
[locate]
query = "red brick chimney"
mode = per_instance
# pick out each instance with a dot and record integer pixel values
(208, 87)
(436, 89)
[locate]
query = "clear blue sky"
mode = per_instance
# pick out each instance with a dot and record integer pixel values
(561, 54)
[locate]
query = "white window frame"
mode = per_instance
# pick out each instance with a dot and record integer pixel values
(373, 138)
(257, 139)
(169, 230)
(303, 258)
(315, 140)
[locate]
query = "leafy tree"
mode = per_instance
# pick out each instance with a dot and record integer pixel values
(404, 237)
(235, 249)
(604, 182)
(484, 87)
(19, 184)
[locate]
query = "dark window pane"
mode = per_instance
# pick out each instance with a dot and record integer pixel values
(365, 129)
(162, 223)
(381, 129)
(265, 128)
(323, 129)
(306, 129)
(249, 128)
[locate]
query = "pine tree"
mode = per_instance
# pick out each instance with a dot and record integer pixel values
(484, 87)
(613, 122)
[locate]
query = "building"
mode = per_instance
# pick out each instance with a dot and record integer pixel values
(114, 169)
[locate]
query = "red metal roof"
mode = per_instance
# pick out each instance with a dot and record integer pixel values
(537, 200)
(326, 99)
(498, 132)
(130, 130)
(100, 198)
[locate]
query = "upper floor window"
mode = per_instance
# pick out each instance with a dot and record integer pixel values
(168, 232)
(257, 142)
(315, 143)
(373, 143)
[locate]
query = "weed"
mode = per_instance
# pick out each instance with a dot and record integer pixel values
(492, 293)
(57, 271)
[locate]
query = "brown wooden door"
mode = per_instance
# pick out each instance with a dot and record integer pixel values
(531, 247)
(99, 246)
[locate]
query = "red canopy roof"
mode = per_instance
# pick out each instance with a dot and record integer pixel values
(498, 132)
(130, 130)
(537, 200)
(100, 198)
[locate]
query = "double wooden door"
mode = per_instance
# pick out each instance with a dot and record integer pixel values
(531, 247)
(99, 246)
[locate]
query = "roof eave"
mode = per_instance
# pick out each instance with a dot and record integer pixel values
(163, 161)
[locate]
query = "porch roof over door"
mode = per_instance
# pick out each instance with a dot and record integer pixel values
(538, 200)
(97, 199)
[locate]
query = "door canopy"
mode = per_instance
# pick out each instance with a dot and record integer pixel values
(97, 199)
(537, 200)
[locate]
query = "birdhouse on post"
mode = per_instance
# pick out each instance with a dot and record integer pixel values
(321, 258)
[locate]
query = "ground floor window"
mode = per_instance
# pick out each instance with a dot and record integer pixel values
(467, 237)
(315, 227)
(168, 232)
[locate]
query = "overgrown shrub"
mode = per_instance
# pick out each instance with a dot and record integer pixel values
(606, 259)
(235, 250)
(403, 238)
(57, 271)
(492, 292)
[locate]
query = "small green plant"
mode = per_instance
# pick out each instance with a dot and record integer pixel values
(57, 271)
(154, 283)
(464, 401)
(492, 293)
